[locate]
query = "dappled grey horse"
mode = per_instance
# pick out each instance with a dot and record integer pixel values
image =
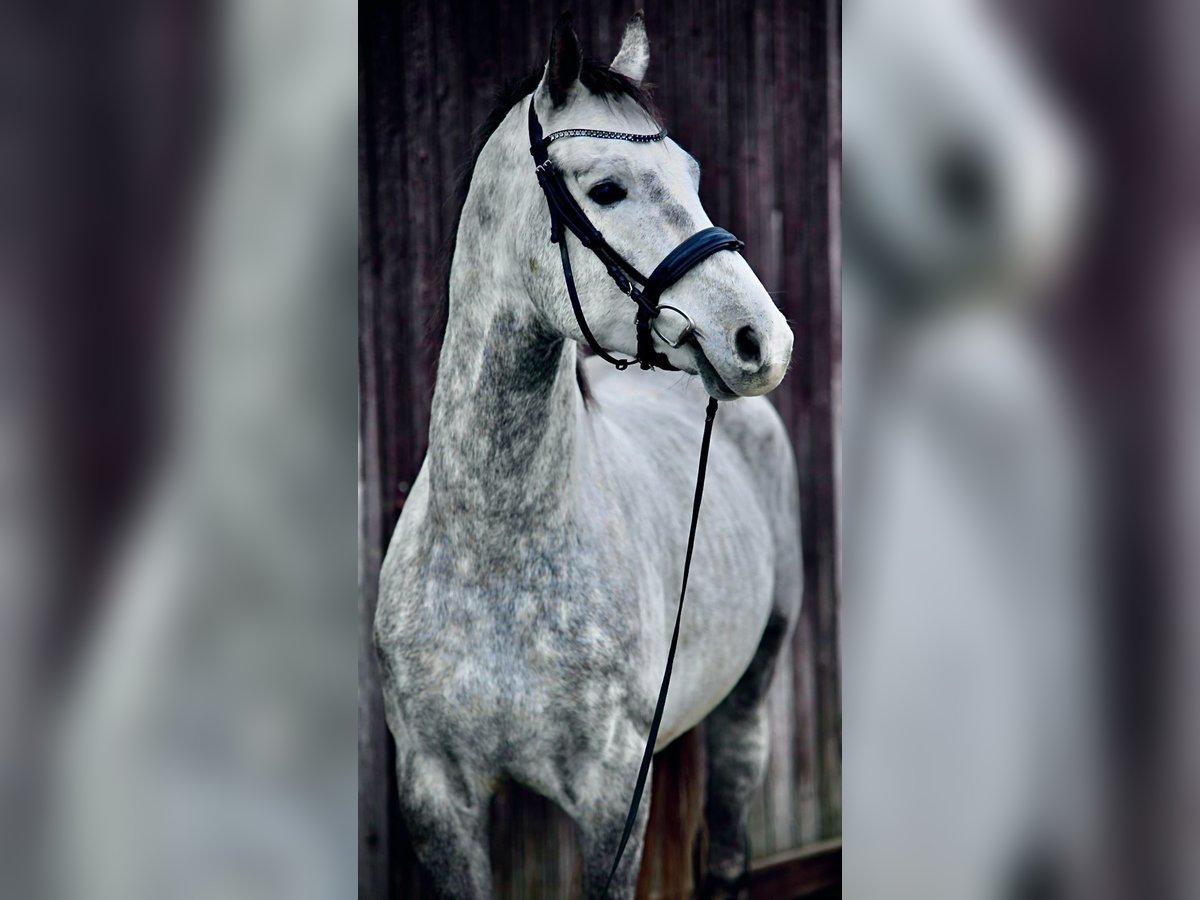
(528, 595)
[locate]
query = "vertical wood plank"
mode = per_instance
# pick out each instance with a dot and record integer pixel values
(372, 742)
(831, 704)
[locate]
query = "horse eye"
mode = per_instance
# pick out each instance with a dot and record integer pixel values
(606, 193)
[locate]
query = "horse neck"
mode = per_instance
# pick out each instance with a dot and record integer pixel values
(505, 418)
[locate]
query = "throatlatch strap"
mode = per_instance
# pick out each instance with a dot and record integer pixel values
(710, 415)
(569, 277)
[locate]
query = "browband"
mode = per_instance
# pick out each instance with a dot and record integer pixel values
(566, 212)
(605, 135)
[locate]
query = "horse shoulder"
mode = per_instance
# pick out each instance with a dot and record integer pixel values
(401, 614)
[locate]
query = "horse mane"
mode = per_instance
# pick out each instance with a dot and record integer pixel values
(601, 80)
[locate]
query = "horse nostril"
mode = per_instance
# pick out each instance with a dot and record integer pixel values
(747, 345)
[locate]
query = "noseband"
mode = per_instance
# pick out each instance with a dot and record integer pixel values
(565, 212)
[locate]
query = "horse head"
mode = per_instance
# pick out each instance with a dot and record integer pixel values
(642, 194)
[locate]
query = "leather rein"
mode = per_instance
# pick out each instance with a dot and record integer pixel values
(647, 293)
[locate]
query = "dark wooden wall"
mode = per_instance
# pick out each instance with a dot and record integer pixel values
(751, 88)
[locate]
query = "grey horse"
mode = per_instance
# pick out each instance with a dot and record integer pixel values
(529, 591)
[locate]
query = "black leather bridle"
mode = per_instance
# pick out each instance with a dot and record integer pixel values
(565, 212)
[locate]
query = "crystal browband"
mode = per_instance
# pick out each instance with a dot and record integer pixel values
(606, 135)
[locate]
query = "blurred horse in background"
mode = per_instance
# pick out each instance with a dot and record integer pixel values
(968, 722)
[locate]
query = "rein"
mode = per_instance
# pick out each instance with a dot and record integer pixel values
(646, 293)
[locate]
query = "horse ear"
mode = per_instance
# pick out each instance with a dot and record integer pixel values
(566, 61)
(634, 56)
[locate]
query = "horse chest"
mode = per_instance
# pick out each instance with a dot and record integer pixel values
(505, 632)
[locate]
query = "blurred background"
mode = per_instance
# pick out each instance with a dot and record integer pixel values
(750, 89)
(177, 450)
(179, 454)
(1011, 190)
